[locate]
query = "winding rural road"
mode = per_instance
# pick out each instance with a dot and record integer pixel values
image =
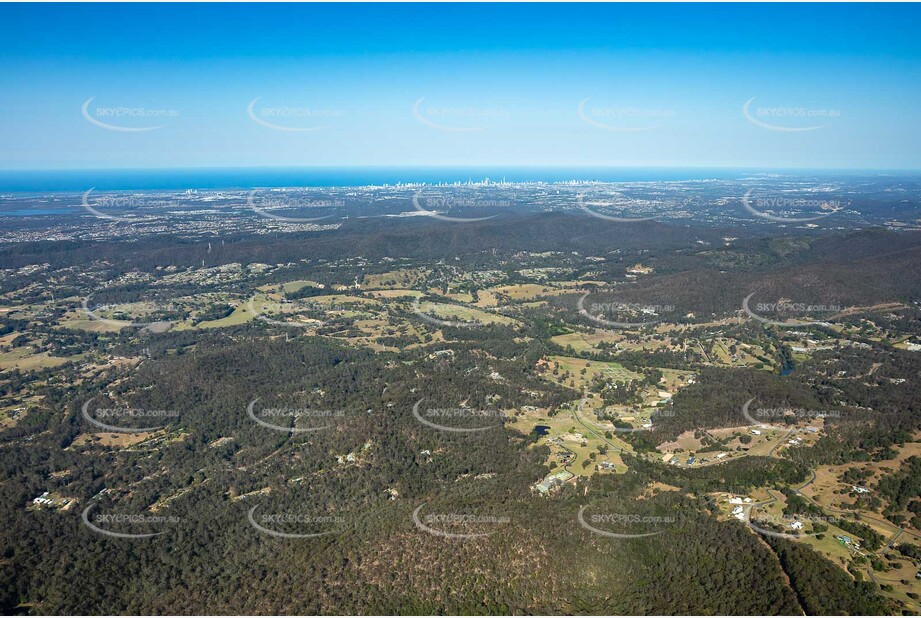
(799, 491)
(575, 413)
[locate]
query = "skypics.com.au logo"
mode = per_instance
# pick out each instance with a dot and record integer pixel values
(623, 119)
(126, 119)
(624, 525)
(96, 313)
(763, 416)
(599, 312)
(267, 206)
(440, 418)
(434, 207)
(272, 417)
(106, 204)
(279, 525)
(448, 309)
(794, 527)
(593, 206)
(763, 207)
(620, 426)
(454, 119)
(417, 309)
(788, 119)
(124, 416)
(293, 119)
(450, 525)
(767, 313)
(298, 310)
(101, 523)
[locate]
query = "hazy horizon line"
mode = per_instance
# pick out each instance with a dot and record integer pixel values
(465, 166)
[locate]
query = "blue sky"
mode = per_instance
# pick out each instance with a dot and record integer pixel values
(834, 86)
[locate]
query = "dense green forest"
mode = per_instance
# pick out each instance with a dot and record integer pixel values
(353, 481)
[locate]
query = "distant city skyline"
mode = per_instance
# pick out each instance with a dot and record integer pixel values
(775, 86)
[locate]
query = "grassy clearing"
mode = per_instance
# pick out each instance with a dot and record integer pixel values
(744, 355)
(690, 444)
(10, 415)
(674, 380)
(582, 342)
(395, 293)
(904, 571)
(525, 291)
(26, 359)
(576, 283)
(81, 322)
(571, 444)
(294, 286)
(583, 372)
(465, 314)
(116, 440)
(241, 314)
(339, 299)
(900, 570)
(461, 297)
(825, 490)
(486, 299)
